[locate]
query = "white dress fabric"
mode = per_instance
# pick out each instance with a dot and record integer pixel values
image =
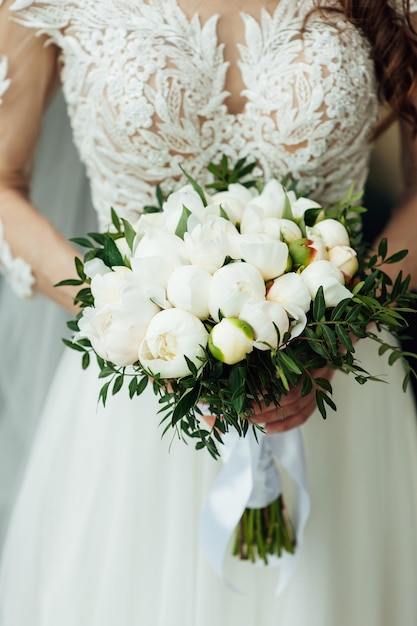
(104, 531)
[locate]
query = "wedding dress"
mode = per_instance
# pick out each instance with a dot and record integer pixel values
(34, 347)
(104, 530)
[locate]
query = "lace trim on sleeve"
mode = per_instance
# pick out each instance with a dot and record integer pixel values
(17, 272)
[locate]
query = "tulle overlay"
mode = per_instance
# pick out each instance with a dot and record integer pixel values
(105, 528)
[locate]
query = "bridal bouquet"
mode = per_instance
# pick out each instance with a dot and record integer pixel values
(224, 298)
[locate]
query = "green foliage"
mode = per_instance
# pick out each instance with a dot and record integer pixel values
(230, 393)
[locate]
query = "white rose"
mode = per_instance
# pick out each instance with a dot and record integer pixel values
(188, 289)
(268, 255)
(290, 290)
(232, 286)
(325, 274)
(263, 317)
(332, 232)
(209, 244)
(233, 201)
(231, 340)
(345, 258)
(171, 335)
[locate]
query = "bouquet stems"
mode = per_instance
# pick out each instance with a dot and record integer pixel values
(262, 533)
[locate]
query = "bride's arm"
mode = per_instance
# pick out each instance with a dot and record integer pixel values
(27, 87)
(401, 230)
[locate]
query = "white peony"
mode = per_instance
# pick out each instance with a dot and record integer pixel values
(232, 286)
(264, 317)
(171, 335)
(231, 340)
(188, 289)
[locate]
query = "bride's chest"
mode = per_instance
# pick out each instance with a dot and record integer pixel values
(144, 64)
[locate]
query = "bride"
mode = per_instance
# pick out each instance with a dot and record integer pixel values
(104, 530)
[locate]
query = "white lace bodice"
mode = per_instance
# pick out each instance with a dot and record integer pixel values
(146, 94)
(146, 91)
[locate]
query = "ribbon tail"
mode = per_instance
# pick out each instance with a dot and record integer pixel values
(227, 499)
(288, 450)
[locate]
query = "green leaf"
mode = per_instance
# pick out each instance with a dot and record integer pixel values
(159, 195)
(107, 370)
(382, 349)
(339, 310)
(98, 238)
(69, 282)
(118, 384)
(398, 256)
(287, 212)
(79, 266)
(73, 345)
(85, 360)
(382, 248)
(142, 384)
(289, 363)
(311, 215)
(406, 381)
(103, 393)
(344, 338)
(328, 400)
(130, 233)
(394, 356)
(223, 214)
(320, 403)
(357, 288)
(82, 241)
(185, 403)
(182, 223)
(115, 220)
(112, 254)
(324, 384)
(195, 186)
(330, 338)
(73, 325)
(133, 385)
(319, 305)
(307, 386)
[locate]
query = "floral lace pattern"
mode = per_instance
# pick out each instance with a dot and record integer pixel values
(17, 272)
(146, 89)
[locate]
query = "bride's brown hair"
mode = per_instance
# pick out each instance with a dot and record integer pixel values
(394, 50)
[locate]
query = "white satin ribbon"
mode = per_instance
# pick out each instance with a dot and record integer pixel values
(249, 478)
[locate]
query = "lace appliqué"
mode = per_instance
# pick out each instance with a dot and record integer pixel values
(146, 89)
(17, 272)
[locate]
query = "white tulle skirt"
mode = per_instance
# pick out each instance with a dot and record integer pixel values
(104, 532)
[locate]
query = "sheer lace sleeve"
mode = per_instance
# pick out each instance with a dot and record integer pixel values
(27, 74)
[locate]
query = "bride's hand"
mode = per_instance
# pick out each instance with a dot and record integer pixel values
(293, 411)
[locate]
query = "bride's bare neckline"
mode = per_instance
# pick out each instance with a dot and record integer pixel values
(230, 33)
